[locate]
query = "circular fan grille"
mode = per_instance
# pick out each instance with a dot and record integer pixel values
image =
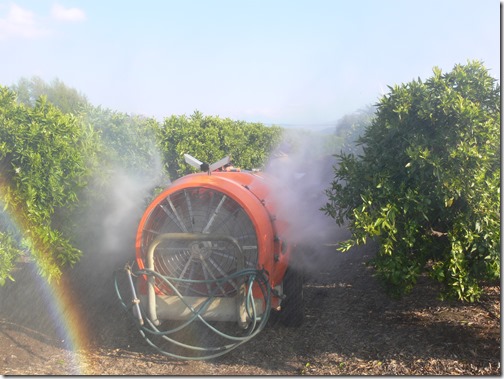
(205, 211)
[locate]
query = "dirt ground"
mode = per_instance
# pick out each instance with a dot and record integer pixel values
(351, 328)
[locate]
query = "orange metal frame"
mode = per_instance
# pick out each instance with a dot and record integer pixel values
(251, 192)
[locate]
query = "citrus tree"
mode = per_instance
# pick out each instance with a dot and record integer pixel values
(427, 185)
(210, 138)
(65, 98)
(128, 141)
(351, 126)
(44, 161)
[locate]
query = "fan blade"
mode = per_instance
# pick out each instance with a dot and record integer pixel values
(219, 164)
(193, 161)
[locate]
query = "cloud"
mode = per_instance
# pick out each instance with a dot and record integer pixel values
(61, 13)
(20, 22)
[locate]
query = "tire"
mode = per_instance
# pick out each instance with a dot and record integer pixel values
(292, 312)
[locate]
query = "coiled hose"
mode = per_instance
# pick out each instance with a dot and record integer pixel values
(148, 329)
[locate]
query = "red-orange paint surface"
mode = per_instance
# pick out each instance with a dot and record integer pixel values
(252, 192)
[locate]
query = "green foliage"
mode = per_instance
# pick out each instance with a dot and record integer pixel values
(210, 138)
(130, 163)
(44, 160)
(352, 126)
(8, 254)
(427, 186)
(67, 99)
(60, 157)
(128, 142)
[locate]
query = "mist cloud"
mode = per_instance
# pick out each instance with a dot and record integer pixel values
(300, 177)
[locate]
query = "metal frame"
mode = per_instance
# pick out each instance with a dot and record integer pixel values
(179, 307)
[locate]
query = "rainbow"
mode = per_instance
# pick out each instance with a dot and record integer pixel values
(66, 316)
(69, 323)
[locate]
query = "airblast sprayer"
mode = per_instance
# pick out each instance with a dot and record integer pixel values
(212, 261)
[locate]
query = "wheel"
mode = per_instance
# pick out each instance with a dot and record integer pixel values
(292, 312)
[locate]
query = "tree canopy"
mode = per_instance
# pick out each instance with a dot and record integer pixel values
(66, 99)
(427, 185)
(64, 164)
(44, 161)
(210, 138)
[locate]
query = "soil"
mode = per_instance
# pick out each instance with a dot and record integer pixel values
(351, 327)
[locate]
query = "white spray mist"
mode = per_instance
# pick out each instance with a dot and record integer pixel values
(300, 175)
(126, 203)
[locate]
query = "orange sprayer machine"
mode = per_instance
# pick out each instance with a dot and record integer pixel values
(211, 253)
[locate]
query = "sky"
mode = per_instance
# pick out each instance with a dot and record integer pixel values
(303, 63)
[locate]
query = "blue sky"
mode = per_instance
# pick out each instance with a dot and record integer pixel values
(284, 62)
